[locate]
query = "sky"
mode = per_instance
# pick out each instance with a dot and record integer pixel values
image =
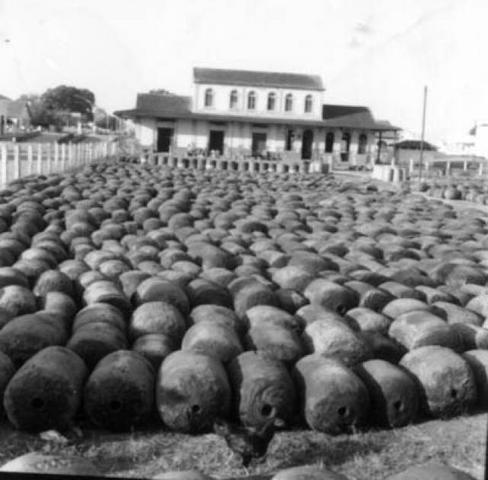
(378, 53)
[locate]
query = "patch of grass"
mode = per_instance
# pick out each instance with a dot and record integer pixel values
(363, 455)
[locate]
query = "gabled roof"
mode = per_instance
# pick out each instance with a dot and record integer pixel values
(222, 76)
(353, 116)
(158, 105)
(334, 111)
(3, 97)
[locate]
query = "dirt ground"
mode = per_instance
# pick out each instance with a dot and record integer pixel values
(365, 455)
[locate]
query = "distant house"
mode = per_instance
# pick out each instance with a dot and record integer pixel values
(479, 135)
(460, 145)
(254, 113)
(14, 115)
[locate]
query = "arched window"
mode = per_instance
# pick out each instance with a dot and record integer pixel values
(233, 99)
(271, 101)
(308, 104)
(209, 97)
(362, 143)
(329, 142)
(251, 101)
(289, 103)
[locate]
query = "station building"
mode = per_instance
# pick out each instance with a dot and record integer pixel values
(240, 113)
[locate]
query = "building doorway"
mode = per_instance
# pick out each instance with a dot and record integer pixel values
(329, 142)
(290, 136)
(307, 142)
(258, 143)
(164, 140)
(216, 141)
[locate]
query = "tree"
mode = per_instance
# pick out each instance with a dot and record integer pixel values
(39, 115)
(56, 106)
(68, 100)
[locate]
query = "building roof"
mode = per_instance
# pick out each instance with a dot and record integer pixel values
(174, 106)
(167, 103)
(257, 79)
(348, 116)
(414, 145)
(158, 105)
(353, 116)
(3, 97)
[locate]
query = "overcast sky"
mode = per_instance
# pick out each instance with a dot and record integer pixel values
(378, 53)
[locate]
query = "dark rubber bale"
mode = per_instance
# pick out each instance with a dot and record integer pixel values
(17, 300)
(53, 281)
(201, 292)
(10, 276)
(94, 341)
(105, 291)
(119, 394)
(100, 313)
(393, 392)
(7, 370)
(158, 289)
(45, 393)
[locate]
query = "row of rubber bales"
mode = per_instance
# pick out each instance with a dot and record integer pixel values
(472, 190)
(237, 300)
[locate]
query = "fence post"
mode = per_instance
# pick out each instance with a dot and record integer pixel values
(16, 161)
(47, 169)
(56, 157)
(39, 158)
(3, 165)
(69, 155)
(64, 154)
(30, 160)
(448, 168)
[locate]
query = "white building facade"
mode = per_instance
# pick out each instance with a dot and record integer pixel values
(256, 114)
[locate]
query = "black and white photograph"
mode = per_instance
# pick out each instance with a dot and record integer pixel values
(244, 239)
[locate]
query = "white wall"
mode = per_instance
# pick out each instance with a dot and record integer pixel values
(222, 93)
(184, 133)
(238, 135)
(145, 131)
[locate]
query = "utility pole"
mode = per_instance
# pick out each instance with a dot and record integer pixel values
(421, 159)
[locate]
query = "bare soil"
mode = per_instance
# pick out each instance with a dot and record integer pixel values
(363, 455)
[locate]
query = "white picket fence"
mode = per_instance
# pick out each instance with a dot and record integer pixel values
(19, 160)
